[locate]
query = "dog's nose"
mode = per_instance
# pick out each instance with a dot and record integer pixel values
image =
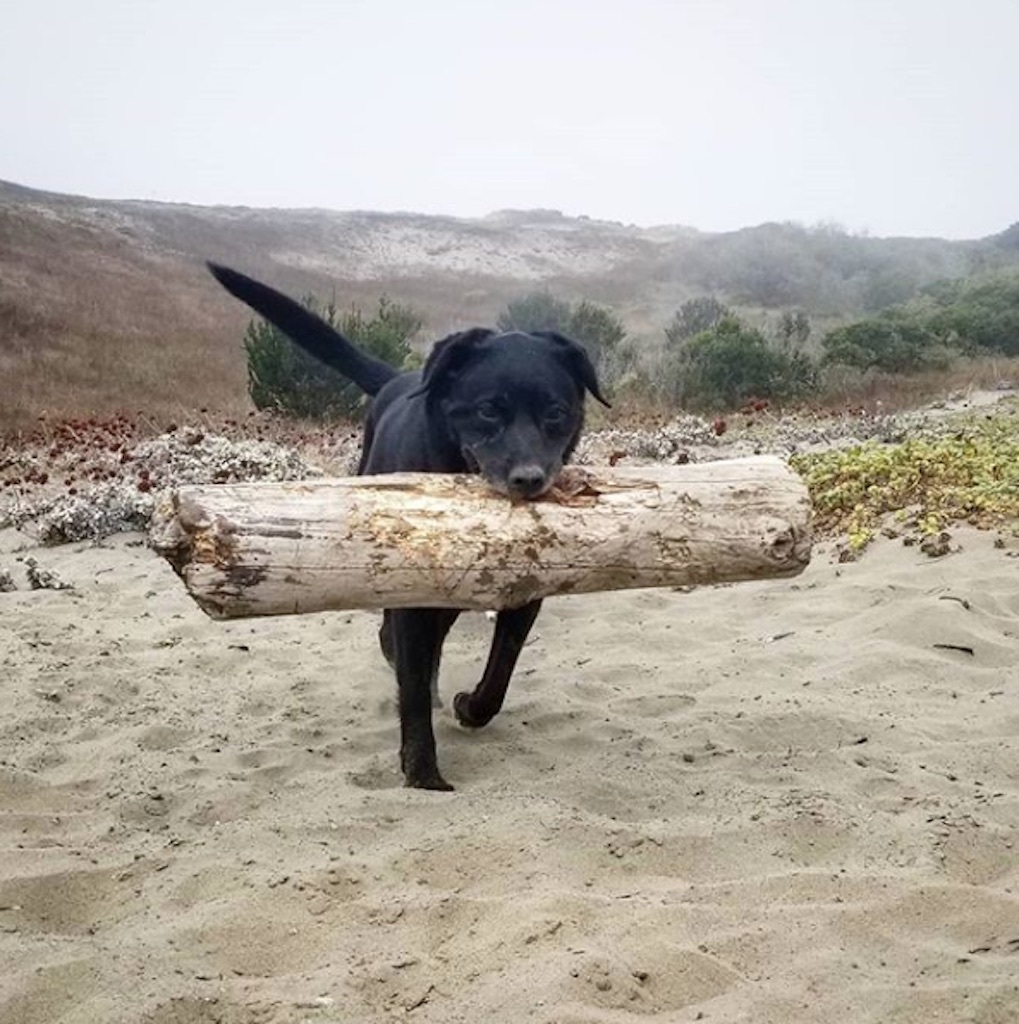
(528, 481)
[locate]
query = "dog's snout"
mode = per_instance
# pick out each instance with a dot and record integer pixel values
(527, 480)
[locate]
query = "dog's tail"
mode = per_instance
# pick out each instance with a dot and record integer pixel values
(311, 332)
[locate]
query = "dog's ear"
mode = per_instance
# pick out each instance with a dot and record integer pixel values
(449, 356)
(575, 356)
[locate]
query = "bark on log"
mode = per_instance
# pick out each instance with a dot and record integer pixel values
(430, 540)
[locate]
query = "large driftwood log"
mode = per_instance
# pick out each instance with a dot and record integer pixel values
(410, 540)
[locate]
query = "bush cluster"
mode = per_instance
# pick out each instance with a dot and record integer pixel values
(284, 378)
(969, 475)
(598, 329)
(973, 316)
(712, 358)
(732, 363)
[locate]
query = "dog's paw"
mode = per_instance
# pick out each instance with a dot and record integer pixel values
(432, 781)
(464, 715)
(421, 772)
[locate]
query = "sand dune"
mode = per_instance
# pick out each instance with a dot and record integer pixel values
(773, 803)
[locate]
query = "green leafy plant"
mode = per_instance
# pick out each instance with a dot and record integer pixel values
(694, 317)
(980, 314)
(732, 363)
(969, 475)
(285, 378)
(537, 311)
(892, 345)
(597, 328)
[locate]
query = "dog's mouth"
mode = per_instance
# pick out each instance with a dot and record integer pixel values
(521, 482)
(518, 486)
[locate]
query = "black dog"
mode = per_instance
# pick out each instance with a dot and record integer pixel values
(507, 406)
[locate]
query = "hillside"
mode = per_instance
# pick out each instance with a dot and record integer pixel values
(106, 305)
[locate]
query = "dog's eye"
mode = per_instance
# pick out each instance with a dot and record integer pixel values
(556, 416)
(488, 412)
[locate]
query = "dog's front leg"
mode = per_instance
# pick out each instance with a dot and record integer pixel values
(511, 628)
(417, 635)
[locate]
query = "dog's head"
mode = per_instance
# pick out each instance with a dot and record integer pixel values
(512, 403)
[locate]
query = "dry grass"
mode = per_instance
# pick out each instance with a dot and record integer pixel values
(114, 312)
(90, 325)
(642, 404)
(890, 392)
(96, 321)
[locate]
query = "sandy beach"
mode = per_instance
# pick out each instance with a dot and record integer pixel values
(779, 803)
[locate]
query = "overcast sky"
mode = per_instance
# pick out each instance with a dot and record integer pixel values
(891, 116)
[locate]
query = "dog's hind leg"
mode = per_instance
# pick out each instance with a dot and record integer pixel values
(389, 651)
(511, 628)
(417, 635)
(386, 639)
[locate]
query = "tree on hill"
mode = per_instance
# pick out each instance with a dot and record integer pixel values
(537, 311)
(794, 328)
(694, 316)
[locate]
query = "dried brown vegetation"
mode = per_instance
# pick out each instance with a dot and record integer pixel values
(106, 307)
(891, 392)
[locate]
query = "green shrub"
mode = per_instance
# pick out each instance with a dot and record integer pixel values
(978, 315)
(971, 473)
(973, 315)
(597, 328)
(695, 316)
(893, 345)
(285, 378)
(538, 311)
(732, 362)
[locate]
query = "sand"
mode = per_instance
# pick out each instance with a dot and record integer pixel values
(774, 803)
